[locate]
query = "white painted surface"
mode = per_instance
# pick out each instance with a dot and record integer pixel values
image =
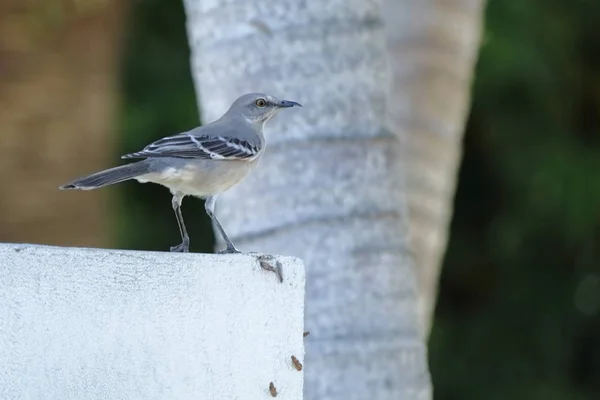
(111, 324)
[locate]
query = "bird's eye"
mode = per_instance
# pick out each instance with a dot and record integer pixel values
(261, 102)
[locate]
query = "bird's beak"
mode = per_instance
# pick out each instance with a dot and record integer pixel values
(288, 103)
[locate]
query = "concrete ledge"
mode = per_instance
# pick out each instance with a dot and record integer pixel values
(108, 324)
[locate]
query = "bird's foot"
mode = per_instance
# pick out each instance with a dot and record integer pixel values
(181, 248)
(229, 250)
(265, 262)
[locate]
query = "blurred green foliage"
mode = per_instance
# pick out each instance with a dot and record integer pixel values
(519, 309)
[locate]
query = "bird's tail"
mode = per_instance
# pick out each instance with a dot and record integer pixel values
(109, 176)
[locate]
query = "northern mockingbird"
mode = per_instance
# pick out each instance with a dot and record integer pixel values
(202, 162)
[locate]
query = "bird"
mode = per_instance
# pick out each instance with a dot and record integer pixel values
(202, 162)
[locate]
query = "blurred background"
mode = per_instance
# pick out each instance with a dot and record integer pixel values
(518, 314)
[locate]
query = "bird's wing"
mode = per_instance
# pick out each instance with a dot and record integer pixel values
(190, 145)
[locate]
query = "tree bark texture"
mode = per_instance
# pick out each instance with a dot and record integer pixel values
(433, 48)
(328, 188)
(58, 90)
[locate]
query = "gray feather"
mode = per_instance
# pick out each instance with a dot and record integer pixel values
(229, 138)
(109, 176)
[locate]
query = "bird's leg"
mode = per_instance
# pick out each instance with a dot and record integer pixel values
(184, 247)
(209, 205)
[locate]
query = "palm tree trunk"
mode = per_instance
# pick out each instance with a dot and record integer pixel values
(327, 190)
(433, 47)
(58, 75)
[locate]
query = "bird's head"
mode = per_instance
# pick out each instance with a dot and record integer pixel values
(259, 107)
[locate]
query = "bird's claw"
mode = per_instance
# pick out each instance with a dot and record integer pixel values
(229, 250)
(180, 248)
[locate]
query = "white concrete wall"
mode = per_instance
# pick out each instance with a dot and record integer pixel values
(107, 324)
